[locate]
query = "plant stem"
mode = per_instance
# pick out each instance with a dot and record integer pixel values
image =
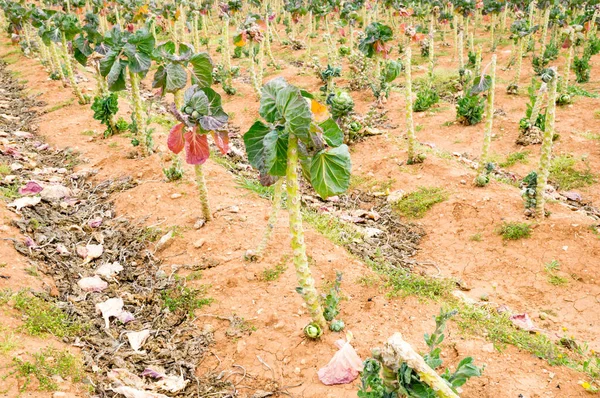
(519, 61)
(567, 73)
(305, 279)
(202, 192)
(535, 111)
(57, 62)
(431, 49)
(546, 151)
(268, 43)
(413, 157)
(545, 28)
(489, 120)
(226, 53)
(70, 75)
(275, 207)
(136, 99)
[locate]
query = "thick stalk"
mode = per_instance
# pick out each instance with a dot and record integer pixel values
(261, 62)
(205, 29)
(413, 157)
(70, 75)
(308, 36)
(202, 192)
(461, 55)
(255, 83)
(396, 352)
(226, 54)
(305, 279)
(519, 61)
(118, 16)
(545, 28)
(57, 62)
(268, 43)
(478, 58)
(537, 106)
(489, 119)
(567, 73)
(431, 49)
(546, 151)
(275, 207)
(136, 100)
(492, 32)
(505, 17)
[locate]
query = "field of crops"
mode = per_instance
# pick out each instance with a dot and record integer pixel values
(245, 198)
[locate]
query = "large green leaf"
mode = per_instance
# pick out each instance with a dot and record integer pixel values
(268, 107)
(143, 41)
(170, 78)
(276, 145)
(330, 171)
(116, 76)
(202, 68)
(333, 135)
(107, 62)
(295, 110)
(138, 61)
(255, 147)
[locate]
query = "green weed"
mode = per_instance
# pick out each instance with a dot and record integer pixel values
(566, 176)
(41, 317)
(185, 299)
(273, 273)
(331, 227)
(514, 230)
(416, 204)
(60, 105)
(514, 158)
(45, 366)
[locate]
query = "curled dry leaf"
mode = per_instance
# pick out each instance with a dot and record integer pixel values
(137, 339)
(112, 307)
(130, 392)
(25, 202)
(92, 284)
(172, 383)
(109, 270)
(162, 243)
(153, 373)
(90, 252)
(523, 321)
(95, 222)
(55, 192)
(31, 188)
(343, 367)
(62, 250)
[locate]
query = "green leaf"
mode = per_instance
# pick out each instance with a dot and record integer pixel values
(295, 111)
(276, 145)
(139, 62)
(116, 76)
(332, 133)
(143, 41)
(170, 78)
(330, 171)
(268, 108)
(481, 84)
(202, 68)
(255, 147)
(392, 71)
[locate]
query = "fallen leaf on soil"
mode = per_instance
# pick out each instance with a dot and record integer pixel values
(155, 374)
(90, 252)
(172, 383)
(92, 284)
(109, 270)
(53, 192)
(112, 307)
(62, 250)
(163, 241)
(25, 202)
(343, 367)
(523, 321)
(95, 223)
(129, 392)
(31, 188)
(137, 339)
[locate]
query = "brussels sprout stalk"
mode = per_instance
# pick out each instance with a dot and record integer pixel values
(305, 280)
(565, 81)
(268, 42)
(546, 151)
(413, 156)
(275, 208)
(56, 58)
(482, 178)
(136, 100)
(202, 192)
(70, 75)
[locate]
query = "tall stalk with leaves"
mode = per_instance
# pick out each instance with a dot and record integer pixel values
(520, 29)
(486, 83)
(252, 32)
(129, 54)
(297, 131)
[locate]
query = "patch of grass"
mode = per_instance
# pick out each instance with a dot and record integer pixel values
(557, 280)
(113, 145)
(163, 120)
(255, 186)
(10, 191)
(331, 227)
(579, 91)
(8, 341)
(41, 317)
(597, 114)
(416, 204)
(588, 135)
(369, 184)
(273, 273)
(401, 282)
(552, 266)
(514, 158)
(476, 237)
(514, 230)
(88, 133)
(32, 270)
(185, 299)
(194, 276)
(4, 169)
(45, 366)
(60, 105)
(5, 296)
(566, 176)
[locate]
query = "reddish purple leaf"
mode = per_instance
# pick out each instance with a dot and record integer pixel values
(221, 140)
(31, 188)
(196, 148)
(175, 141)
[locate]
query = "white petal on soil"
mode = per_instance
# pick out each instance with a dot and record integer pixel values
(53, 192)
(343, 367)
(172, 383)
(62, 250)
(125, 317)
(153, 373)
(109, 308)
(137, 339)
(93, 252)
(92, 284)
(25, 201)
(123, 376)
(129, 392)
(109, 270)
(161, 244)
(523, 321)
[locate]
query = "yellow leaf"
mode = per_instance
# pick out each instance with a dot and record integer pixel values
(319, 111)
